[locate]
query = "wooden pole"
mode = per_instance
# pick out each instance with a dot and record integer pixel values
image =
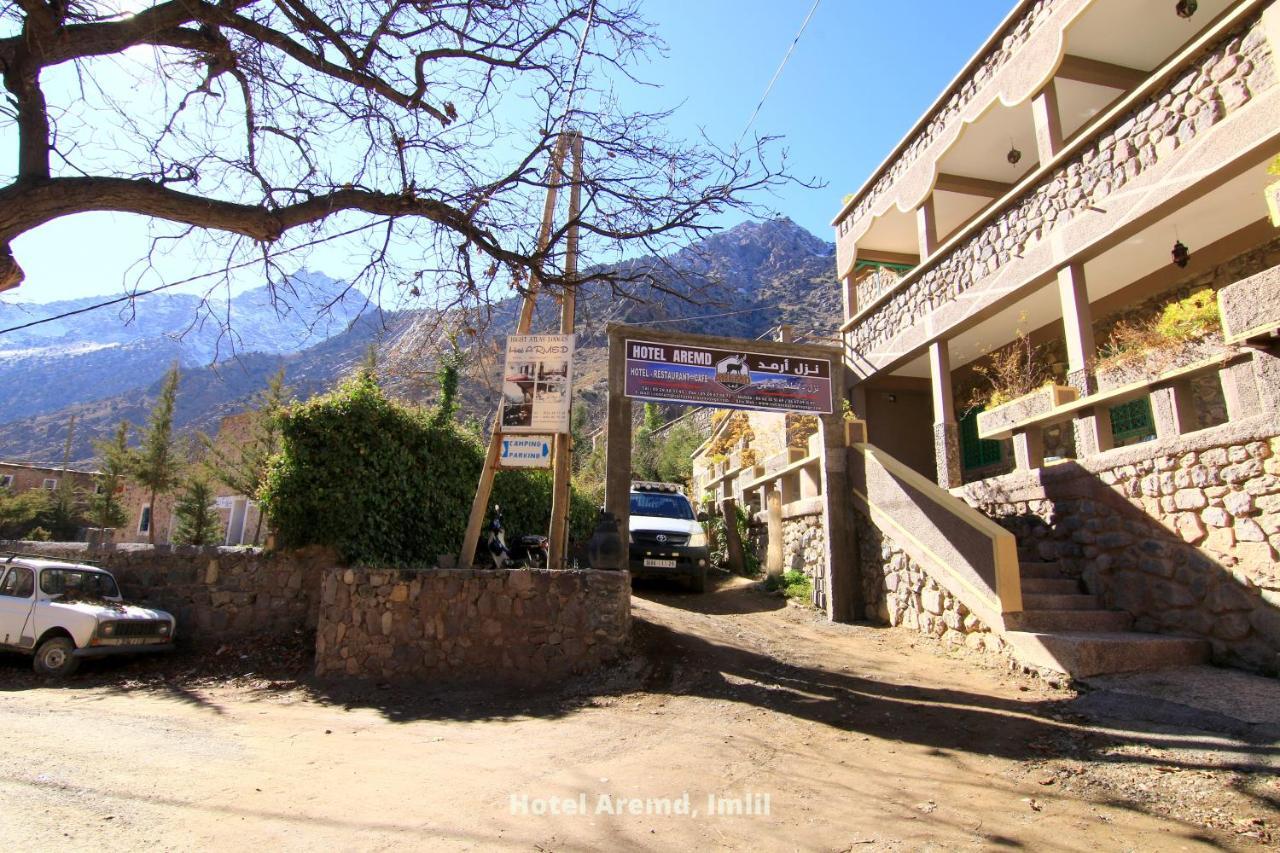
(562, 457)
(480, 503)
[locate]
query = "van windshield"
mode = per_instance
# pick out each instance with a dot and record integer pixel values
(661, 505)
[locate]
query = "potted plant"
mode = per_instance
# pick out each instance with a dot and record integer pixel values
(1016, 383)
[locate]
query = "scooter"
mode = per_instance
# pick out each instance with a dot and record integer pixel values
(530, 551)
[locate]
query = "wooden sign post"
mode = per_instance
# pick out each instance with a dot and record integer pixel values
(562, 449)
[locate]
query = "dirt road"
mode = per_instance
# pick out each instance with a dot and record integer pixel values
(848, 737)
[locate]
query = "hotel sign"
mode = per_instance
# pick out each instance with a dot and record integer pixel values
(727, 379)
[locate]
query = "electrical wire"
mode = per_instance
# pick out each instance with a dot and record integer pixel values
(706, 316)
(138, 294)
(778, 73)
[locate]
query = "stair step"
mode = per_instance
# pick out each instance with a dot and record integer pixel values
(1068, 620)
(1037, 569)
(1066, 601)
(1049, 586)
(1082, 654)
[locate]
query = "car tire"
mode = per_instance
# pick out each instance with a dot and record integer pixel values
(56, 658)
(698, 583)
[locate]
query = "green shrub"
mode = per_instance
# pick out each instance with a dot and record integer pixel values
(794, 584)
(384, 484)
(1190, 318)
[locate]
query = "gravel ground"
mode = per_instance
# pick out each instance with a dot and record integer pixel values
(862, 739)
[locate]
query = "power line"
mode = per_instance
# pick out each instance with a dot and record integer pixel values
(778, 73)
(137, 294)
(706, 316)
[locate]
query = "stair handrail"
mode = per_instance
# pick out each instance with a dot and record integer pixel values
(971, 556)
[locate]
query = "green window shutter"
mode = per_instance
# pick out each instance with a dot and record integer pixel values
(976, 452)
(1132, 421)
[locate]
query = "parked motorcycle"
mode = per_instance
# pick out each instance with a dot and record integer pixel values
(529, 551)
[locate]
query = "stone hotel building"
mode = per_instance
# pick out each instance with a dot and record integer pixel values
(1061, 294)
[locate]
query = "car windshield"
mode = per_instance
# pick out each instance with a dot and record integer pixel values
(662, 505)
(78, 583)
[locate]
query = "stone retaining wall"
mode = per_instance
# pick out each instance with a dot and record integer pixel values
(898, 592)
(1184, 533)
(455, 625)
(216, 594)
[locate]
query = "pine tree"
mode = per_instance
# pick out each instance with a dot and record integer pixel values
(448, 370)
(196, 520)
(105, 509)
(157, 463)
(242, 465)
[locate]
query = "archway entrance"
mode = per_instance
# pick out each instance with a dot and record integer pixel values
(733, 373)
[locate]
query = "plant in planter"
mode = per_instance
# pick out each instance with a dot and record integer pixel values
(1179, 331)
(1016, 382)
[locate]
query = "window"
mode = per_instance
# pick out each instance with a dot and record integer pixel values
(661, 505)
(976, 452)
(51, 483)
(6, 481)
(78, 583)
(144, 523)
(19, 583)
(1132, 422)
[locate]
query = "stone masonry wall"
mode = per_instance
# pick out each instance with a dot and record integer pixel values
(1220, 82)
(898, 592)
(216, 594)
(509, 626)
(1184, 534)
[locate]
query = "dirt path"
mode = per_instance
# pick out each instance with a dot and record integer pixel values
(860, 741)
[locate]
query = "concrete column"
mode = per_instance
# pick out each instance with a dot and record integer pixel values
(1048, 122)
(927, 228)
(946, 434)
(843, 587)
(849, 294)
(1077, 327)
(1240, 388)
(1093, 431)
(1173, 409)
(1028, 449)
(773, 556)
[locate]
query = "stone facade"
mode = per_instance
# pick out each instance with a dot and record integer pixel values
(216, 594)
(897, 591)
(511, 626)
(1218, 83)
(1184, 533)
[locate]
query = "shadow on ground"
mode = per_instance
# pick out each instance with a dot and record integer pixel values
(670, 662)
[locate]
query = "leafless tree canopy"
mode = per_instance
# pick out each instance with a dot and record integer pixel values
(269, 124)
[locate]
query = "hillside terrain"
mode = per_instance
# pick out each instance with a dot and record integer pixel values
(740, 282)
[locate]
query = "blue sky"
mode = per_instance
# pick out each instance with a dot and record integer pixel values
(862, 74)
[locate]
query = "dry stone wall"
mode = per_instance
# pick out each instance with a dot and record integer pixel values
(217, 594)
(1184, 534)
(898, 592)
(512, 626)
(1220, 82)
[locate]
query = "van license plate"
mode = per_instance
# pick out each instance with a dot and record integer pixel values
(651, 563)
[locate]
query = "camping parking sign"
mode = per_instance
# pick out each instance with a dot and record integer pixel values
(525, 451)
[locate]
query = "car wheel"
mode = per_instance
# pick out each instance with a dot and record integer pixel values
(698, 583)
(56, 658)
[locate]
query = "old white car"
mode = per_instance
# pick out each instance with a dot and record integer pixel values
(64, 612)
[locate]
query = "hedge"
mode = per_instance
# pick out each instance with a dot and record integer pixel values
(386, 485)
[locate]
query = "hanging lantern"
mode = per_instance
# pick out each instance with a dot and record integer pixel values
(1186, 8)
(1181, 254)
(1013, 156)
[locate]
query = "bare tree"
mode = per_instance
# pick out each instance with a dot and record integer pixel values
(418, 130)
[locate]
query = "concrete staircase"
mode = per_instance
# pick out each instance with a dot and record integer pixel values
(1064, 629)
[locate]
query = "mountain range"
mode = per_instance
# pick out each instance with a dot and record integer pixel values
(105, 366)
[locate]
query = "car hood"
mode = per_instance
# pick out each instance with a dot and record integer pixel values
(110, 611)
(664, 525)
